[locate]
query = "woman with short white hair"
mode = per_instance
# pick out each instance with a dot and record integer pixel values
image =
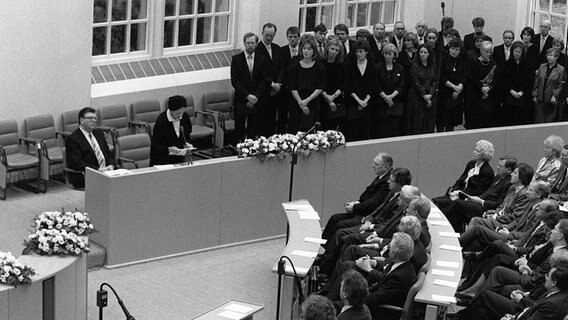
(548, 166)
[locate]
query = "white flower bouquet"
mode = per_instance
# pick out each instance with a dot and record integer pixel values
(75, 222)
(13, 272)
(55, 242)
(279, 145)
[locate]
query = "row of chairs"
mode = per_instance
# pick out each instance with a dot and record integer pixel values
(30, 158)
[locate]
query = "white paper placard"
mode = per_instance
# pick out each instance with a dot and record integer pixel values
(308, 215)
(315, 240)
(445, 283)
(440, 223)
(434, 215)
(298, 207)
(298, 269)
(451, 248)
(238, 308)
(449, 234)
(448, 264)
(446, 273)
(232, 315)
(437, 297)
(304, 253)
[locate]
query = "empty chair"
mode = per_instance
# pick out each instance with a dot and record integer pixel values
(220, 104)
(42, 129)
(69, 122)
(114, 116)
(144, 113)
(134, 150)
(200, 132)
(16, 165)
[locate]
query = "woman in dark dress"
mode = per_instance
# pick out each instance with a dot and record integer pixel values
(527, 35)
(432, 40)
(517, 78)
(481, 91)
(306, 79)
(332, 106)
(361, 79)
(421, 95)
(452, 81)
(390, 103)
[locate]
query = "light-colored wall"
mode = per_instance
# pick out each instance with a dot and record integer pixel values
(45, 56)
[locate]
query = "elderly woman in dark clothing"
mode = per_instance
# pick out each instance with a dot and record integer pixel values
(452, 82)
(421, 110)
(360, 79)
(390, 105)
(482, 92)
(517, 78)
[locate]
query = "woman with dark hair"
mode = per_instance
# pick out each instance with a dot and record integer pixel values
(453, 77)
(431, 36)
(306, 79)
(527, 36)
(361, 79)
(517, 78)
(332, 107)
(421, 111)
(390, 103)
(547, 85)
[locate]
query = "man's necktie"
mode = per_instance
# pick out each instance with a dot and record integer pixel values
(249, 63)
(98, 152)
(294, 52)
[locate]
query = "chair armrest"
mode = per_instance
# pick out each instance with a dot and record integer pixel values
(112, 131)
(123, 159)
(63, 134)
(140, 124)
(73, 171)
(208, 114)
(3, 157)
(220, 118)
(29, 141)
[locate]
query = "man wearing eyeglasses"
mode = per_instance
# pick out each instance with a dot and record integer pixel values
(87, 147)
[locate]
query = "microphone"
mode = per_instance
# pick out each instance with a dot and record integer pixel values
(182, 133)
(102, 301)
(316, 125)
(123, 307)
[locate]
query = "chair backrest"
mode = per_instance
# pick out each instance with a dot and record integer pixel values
(114, 116)
(219, 101)
(426, 267)
(146, 110)
(41, 127)
(408, 311)
(429, 247)
(9, 136)
(70, 120)
(135, 147)
(191, 109)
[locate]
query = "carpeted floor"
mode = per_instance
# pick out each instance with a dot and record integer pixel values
(171, 289)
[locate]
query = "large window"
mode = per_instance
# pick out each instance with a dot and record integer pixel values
(555, 11)
(354, 13)
(119, 26)
(130, 29)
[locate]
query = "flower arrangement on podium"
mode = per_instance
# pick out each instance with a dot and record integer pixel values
(59, 233)
(13, 272)
(279, 145)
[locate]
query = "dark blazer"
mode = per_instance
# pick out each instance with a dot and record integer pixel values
(388, 82)
(373, 195)
(552, 307)
(246, 84)
(386, 209)
(164, 136)
(477, 184)
(374, 50)
(527, 243)
(355, 313)
(547, 45)
(494, 196)
(392, 289)
(545, 91)
(351, 55)
(499, 55)
(276, 62)
(469, 41)
(558, 190)
(361, 85)
(79, 155)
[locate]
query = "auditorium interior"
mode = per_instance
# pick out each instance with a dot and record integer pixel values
(229, 230)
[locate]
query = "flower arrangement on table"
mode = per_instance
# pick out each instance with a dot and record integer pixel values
(59, 233)
(279, 145)
(13, 272)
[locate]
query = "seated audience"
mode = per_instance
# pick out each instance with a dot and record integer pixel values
(170, 137)
(87, 147)
(317, 308)
(475, 179)
(353, 292)
(547, 167)
(559, 190)
(462, 211)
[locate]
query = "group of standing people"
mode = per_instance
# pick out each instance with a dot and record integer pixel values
(382, 85)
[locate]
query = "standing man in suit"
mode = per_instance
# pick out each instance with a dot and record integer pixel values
(289, 53)
(447, 24)
(320, 32)
(421, 28)
(87, 147)
(462, 211)
(543, 41)
(342, 32)
(502, 52)
(273, 54)
(398, 35)
(374, 41)
(469, 39)
(250, 77)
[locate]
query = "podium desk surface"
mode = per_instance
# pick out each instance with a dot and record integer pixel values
(304, 223)
(232, 309)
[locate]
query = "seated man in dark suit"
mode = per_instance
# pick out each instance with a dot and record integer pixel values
(170, 137)
(368, 201)
(354, 291)
(391, 285)
(461, 211)
(87, 147)
(559, 189)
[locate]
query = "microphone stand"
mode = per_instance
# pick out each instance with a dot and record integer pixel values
(281, 271)
(102, 301)
(187, 156)
(293, 163)
(443, 4)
